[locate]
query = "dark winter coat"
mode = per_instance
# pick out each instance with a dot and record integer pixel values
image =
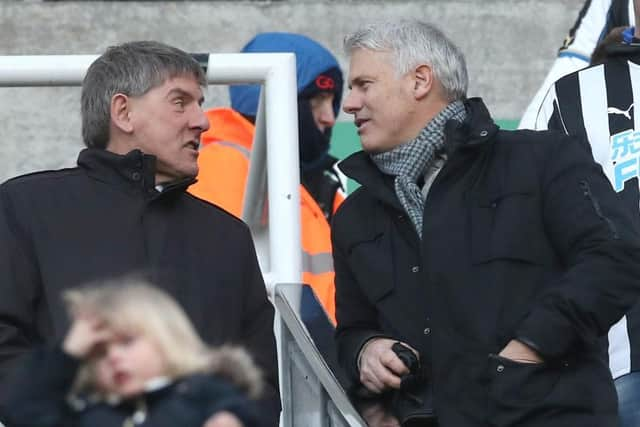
(104, 218)
(523, 239)
(42, 399)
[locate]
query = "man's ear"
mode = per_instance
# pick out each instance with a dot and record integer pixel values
(423, 81)
(120, 109)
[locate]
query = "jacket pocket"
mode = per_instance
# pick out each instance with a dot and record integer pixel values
(508, 226)
(370, 259)
(514, 381)
(572, 393)
(518, 390)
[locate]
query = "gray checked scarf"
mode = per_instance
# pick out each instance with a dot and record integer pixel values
(409, 161)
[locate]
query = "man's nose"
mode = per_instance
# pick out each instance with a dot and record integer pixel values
(200, 119)
(351, 104)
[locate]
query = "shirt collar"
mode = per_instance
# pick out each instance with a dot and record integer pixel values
(134, 171)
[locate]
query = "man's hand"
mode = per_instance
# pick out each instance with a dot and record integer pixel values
(519, 352)
(85, 334)
(223, 419)
(380, 368)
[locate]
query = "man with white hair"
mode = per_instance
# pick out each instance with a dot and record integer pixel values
(496, 260)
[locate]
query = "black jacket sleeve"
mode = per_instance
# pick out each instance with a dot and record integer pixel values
(357, 318)
(598, 242)
(19, 288)
(36, 395)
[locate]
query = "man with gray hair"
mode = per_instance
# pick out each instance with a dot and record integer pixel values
(476, 269)
(124, 210)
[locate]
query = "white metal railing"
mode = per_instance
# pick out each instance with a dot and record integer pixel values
(319, 400)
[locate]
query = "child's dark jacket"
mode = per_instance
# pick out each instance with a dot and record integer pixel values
(40, 397)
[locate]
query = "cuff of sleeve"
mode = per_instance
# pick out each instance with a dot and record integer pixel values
(549, 335)
(532, 345)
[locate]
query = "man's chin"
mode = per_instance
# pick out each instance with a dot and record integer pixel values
(188, 171)
(165, 178)
(371, 149)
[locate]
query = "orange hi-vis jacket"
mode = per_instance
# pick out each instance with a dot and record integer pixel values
(224, 167)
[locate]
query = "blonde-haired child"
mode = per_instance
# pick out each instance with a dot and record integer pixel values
(132, 358)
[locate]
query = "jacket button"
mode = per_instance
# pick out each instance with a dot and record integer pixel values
(484, 133)
(135, 176)
(415, 269)
(500, 368)
(426, 331)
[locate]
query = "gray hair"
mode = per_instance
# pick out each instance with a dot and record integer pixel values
(131, 69)
(412, 42)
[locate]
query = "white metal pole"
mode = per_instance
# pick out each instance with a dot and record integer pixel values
(255, 191)
(44, 70)
(69, 70)
(283, 169)
(278, 72)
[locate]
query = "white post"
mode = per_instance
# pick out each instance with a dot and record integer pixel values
(278, 72)
(44, 70)
(255, 192)
(283, 170)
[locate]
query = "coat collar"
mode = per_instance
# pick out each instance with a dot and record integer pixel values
(361, 168)
(133, 171)
(477, 131)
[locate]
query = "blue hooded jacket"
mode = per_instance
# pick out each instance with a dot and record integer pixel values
(312, 59)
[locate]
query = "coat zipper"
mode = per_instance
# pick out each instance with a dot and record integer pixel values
(586, 191)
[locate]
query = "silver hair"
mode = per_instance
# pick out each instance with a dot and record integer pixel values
(132, 69)
(413, 42)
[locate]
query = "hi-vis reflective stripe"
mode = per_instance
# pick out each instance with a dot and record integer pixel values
(318, 263)
(243, 150)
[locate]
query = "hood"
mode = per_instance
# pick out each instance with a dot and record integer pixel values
(311, 60)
